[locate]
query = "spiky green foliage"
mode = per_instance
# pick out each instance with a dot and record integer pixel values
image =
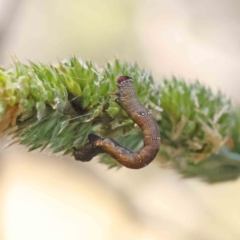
(222, 166)
(57, 106)
(194, 119)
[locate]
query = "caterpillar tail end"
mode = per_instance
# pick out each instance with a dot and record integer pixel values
(89, 150)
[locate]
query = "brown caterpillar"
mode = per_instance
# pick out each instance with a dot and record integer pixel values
(127, 100)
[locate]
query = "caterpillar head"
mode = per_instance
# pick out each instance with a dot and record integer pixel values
(126, 89)
(122, 79)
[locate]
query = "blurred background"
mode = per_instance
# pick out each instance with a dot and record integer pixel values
(50, 197)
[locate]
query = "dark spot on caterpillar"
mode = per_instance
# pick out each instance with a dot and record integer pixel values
(92, 137)
(128, 101)
(141, 114)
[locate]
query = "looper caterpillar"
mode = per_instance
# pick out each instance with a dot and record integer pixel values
(128, 101)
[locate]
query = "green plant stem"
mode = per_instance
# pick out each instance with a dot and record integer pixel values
(58, 105)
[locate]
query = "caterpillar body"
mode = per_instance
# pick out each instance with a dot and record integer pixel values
(128, 101)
